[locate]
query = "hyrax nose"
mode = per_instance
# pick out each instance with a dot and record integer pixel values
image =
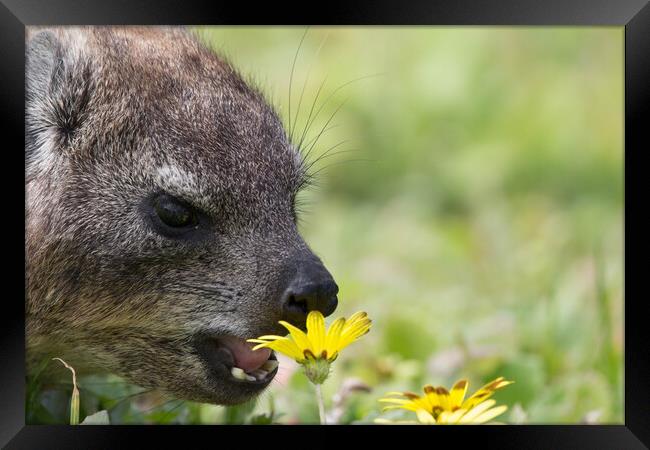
(312, 289)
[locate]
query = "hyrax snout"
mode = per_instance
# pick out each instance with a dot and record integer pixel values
(160, 221)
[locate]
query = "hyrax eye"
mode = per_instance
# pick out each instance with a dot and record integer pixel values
(173, 213)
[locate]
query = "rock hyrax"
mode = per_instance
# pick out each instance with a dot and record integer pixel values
(160, 222)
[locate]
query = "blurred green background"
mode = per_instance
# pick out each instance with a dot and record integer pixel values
(475, 211)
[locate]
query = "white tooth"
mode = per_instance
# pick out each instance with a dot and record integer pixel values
(270, 365)
(249, 378)
(260, 374)
(238, 373)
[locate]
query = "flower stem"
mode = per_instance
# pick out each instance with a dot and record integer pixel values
(321, 405)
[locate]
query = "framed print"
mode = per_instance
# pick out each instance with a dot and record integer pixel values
(376, 219)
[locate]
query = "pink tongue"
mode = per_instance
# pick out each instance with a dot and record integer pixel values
(245, 357)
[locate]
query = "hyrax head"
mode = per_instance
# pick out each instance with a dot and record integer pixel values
(160, 220)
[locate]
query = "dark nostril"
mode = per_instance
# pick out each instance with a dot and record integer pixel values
(300, 298)
(298, 305)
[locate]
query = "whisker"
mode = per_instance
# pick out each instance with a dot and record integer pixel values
(311, 111)
(331, 127)
(311, 66)
(341, 162)
(328, 153)
(311, 179)
(335, 91)
(324, 126)
(278, 382)
(293, 66)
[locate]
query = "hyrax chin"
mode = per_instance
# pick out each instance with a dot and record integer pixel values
(160, 224)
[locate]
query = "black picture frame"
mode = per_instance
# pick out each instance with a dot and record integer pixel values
(634, 15)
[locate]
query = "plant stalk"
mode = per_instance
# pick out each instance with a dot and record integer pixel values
(74, 400)
(321, 405)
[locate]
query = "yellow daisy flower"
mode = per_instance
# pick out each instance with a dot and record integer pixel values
(439, 406)
(317, 348)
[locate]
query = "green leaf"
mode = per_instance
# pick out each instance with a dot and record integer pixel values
(261, 419)
(99, 418)
(237, 414)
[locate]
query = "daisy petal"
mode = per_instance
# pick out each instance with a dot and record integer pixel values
(443, 398)
(477, 411)
(298, 336)
(333, 337)
(392, 393)
(425, 417)
(285, 346)
(490, 414)
(485, 392)
(444, 417)
(316, 331)
(400, 401)
(271, 337)
(455, 416)
(458, 393)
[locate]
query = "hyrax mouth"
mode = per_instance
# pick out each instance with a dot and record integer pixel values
(240, 361)
(246, 364)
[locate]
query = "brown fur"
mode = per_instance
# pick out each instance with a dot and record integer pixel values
(112, 115)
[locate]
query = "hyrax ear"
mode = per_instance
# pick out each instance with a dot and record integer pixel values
(58, 86)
